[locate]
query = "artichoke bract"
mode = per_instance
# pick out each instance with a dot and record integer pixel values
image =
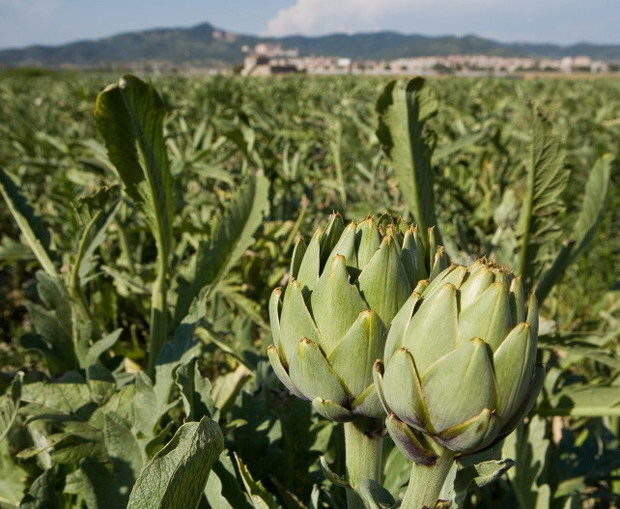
(330, 325)
(460, 362)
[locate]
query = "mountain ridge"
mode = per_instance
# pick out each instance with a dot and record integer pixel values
(204, 45)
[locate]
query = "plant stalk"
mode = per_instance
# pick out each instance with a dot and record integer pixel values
(159, 316)
(363, 455)
(425, 483)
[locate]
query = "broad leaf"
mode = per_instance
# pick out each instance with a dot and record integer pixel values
(177, 474)
(404, 108)
(129, 116)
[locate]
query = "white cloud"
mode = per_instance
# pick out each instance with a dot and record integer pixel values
(323, 16)
(535, 20)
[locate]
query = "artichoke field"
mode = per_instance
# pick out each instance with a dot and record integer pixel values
(147, 360)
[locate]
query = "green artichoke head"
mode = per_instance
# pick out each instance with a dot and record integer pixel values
(460, 361)
(330, 324)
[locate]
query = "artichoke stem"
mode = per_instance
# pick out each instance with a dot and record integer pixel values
(425, 482)
(363, 450)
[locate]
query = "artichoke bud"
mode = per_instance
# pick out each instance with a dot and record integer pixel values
(460, 360)
(329, 325)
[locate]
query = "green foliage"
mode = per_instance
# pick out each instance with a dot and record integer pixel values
(404, 110)
(217, 177)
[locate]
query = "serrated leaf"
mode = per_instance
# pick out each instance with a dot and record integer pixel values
(232, 235)
(35, 233)
(539, 223)
(93, 235)
(592, 209)
(404, 108)
(177, 474)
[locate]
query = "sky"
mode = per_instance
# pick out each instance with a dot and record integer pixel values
(26, 22)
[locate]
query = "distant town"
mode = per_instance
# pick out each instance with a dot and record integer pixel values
(269, 59)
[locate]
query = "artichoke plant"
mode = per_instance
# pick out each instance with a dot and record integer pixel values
(459, 368)
(345, 288)
(330, 326)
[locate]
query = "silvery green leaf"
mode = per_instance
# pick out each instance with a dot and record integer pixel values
(177, 474)
(195, 391)
(224, 490)
(331, 475)
(478, 476)
(404, 107)
(261, 498)
(36, 235)
(42, 493)
(101, 346)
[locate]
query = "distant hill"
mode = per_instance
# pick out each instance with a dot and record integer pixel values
(206, 46)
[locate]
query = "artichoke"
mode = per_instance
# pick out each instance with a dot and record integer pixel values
(460, 362)
(330, 326)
